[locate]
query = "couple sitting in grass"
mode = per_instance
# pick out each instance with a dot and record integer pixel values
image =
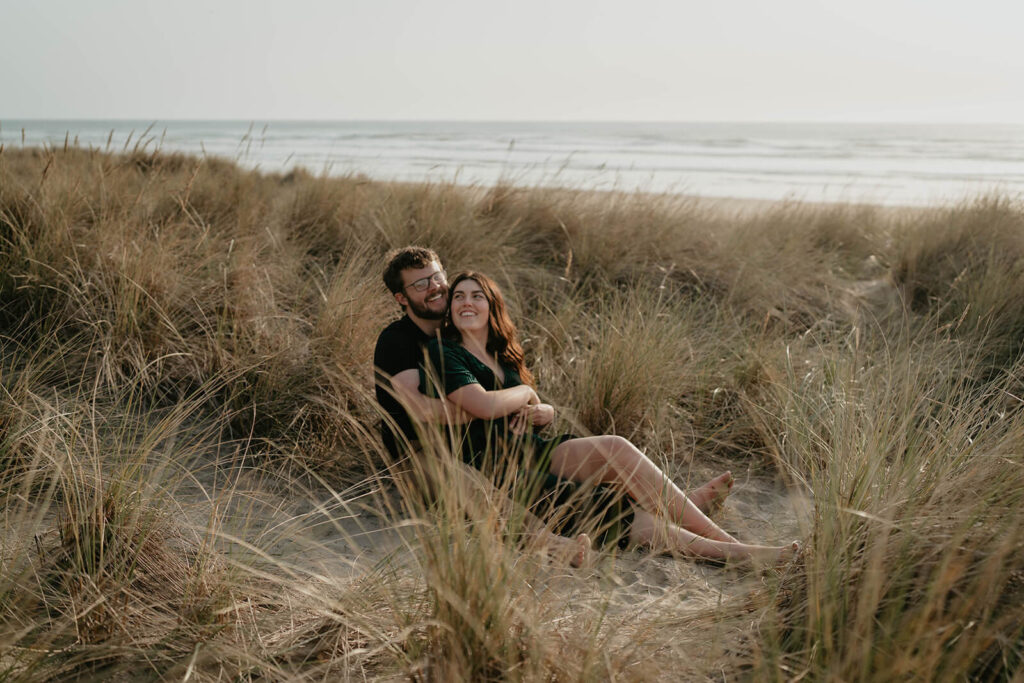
(486, 398)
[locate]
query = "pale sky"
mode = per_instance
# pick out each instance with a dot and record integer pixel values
(647, 60)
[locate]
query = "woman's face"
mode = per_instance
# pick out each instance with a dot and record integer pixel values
(469, 307)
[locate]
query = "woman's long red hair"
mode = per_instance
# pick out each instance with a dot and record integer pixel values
(502, 336)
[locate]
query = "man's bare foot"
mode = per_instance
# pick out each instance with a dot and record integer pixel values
(710, 497)
(584, 551)
(576, 552)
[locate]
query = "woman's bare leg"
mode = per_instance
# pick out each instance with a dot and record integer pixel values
(658, 534)
(615, 460)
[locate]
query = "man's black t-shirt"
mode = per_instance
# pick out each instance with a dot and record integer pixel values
(399, 347)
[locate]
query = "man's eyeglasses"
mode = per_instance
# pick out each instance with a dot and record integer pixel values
(421, 285)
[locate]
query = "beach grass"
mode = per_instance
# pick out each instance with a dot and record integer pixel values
(194, 486)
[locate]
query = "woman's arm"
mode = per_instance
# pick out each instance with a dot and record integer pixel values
(489, 405)
(448, 365)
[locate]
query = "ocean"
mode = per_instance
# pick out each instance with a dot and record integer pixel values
(892, 164)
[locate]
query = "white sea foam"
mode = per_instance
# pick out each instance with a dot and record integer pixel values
(891, 164)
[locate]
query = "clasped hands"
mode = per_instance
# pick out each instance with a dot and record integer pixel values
(531, 415)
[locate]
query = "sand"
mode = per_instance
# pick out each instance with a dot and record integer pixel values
(337, 537)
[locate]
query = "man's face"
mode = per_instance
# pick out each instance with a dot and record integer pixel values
(430, 302)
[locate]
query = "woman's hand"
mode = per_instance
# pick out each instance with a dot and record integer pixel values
(541, 414)
(536, 415)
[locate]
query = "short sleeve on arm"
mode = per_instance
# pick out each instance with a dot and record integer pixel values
(395, 352)
(450, 364)
(399, 348)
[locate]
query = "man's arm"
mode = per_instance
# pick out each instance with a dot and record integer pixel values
(396, 359)
(423, 408)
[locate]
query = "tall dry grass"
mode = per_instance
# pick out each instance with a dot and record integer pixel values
(190, 465)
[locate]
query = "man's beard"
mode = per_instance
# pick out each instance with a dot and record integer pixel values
(424, 313)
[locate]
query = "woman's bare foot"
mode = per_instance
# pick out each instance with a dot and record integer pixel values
(774, 556)
(756, 556)
(710, 497)
(790, 553)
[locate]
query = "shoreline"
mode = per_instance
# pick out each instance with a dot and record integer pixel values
(717, 207)
(798, 163)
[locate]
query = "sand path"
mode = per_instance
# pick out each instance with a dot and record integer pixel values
(332, 537)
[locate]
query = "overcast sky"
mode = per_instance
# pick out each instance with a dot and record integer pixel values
(661, 60)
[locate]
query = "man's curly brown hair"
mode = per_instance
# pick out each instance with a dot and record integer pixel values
(403, 259)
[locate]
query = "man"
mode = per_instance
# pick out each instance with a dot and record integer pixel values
(418, 282)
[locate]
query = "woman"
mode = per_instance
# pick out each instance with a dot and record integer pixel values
(482, 371)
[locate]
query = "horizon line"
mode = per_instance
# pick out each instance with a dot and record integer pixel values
(253, 121)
